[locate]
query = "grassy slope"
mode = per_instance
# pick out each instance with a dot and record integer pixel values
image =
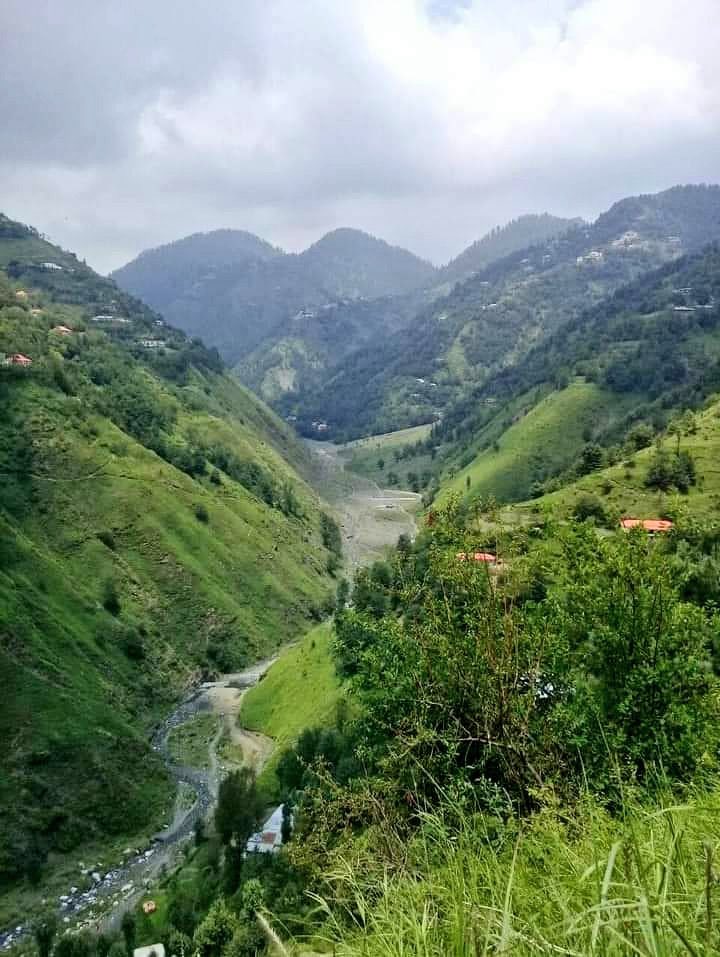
(79, 701)
(628, 494)
(545, 439)
(300, 691)
(568, 883)
(362, 455)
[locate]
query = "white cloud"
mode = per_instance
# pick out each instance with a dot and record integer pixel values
(425, 123)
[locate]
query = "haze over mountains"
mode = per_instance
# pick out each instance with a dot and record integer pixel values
(234, 289)
(285, 318)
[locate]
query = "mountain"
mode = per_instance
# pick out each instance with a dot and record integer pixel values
(165, 274)
(494, 318)
(154, 527)
(625, 367)
(302, 352)
(502, 241)
(239, 290)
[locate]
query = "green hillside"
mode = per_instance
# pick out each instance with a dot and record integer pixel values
(301, 690)
(502, 241)
(155, 528)
(543, 439)
(651, 351)
(302, 352)
(623, 489)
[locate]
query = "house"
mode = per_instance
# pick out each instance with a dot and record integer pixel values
(62, 330)
(651, 525)
(36, 312)
(152, 343)
(18, 359)
(21, 294)
(486, 557)
(269, 839)
(51, 266)
(149, 907)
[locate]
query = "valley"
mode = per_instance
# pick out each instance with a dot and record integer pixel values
(372, 520)
(371, 606)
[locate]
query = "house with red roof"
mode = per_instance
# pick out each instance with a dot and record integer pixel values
(487, 557)
(18, 359)
(651, 525)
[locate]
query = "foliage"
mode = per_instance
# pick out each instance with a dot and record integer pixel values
(216, 931)
(239, 808)
(671, 471)
(589, 506)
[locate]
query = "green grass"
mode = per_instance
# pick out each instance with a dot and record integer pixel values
(189, 742)
(301, 690)
(83, 503)
(362, 455)
(622, 489)
(541, 441)
(574, 882)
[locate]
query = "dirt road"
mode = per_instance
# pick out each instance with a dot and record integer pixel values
(371, 518)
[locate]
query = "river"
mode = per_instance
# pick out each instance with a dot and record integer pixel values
(371, 519)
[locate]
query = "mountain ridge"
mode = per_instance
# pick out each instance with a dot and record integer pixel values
(156, 527)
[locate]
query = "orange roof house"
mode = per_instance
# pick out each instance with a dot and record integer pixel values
(477, 557)
(18, 359)
(63, 330)
(651, 525)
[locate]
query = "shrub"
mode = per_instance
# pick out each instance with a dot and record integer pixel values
(108, 539)
(589, 506)
(110, 597)
(201, 514)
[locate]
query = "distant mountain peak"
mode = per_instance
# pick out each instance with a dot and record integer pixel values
(501, 241)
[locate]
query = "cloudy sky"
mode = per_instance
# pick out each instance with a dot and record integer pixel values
(426, 122)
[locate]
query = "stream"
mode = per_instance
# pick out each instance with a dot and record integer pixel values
(371, 519)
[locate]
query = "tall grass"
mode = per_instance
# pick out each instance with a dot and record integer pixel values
(643, 883)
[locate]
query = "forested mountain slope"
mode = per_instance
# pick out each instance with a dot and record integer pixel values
(502, 241)
(239, 289)
(494, 318)
(162, 275)
(302, 352)
(154, 526)
(645, 355)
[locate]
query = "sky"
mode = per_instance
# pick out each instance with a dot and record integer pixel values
(425, 122)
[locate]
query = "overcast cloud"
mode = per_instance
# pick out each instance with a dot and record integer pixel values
(132, 123)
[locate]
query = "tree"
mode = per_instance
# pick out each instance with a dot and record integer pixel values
(589, 506)
(216, 931)
(591, 458)
(637, 659)
(129, 931)
(342, 594)
(286, 831)
(44, 930)
(239, 807)
(110, 597)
